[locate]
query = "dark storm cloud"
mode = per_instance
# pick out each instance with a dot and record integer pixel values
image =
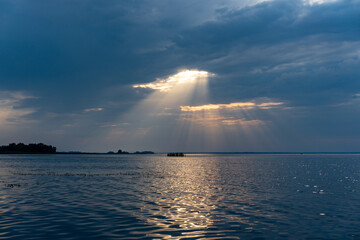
(282, 48)
(79, 47)
(78, 55)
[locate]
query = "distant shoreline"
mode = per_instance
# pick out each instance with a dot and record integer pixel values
(72, 153)
(224, 153)
(259, 153)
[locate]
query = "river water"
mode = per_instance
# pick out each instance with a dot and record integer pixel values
(194, 197)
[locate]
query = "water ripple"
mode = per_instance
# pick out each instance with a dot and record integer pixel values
(197, 197)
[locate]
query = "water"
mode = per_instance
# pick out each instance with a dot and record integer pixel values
(196, 197)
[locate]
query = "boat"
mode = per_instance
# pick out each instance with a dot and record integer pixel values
(176, 154)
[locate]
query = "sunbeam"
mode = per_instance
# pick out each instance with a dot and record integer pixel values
(212, 125)
(156, 113)
(178, 114)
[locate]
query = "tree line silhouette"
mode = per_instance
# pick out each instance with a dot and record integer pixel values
(30, 148)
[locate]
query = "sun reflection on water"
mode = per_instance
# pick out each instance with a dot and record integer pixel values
(186, 201)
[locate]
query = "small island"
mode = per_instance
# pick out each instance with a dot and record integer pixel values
(32, 148)
(40, 148)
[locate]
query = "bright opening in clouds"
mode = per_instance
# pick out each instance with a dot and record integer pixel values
(183, 77)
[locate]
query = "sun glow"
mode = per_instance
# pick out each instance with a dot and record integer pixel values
(183, 77)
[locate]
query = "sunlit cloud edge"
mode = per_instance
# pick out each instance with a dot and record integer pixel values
(182, 77)
(229, 106)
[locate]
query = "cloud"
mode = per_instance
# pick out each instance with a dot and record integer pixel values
(280, 49)
(11, 112)
(93, 109)
(183, 77)
(312, 2)
(231, 106)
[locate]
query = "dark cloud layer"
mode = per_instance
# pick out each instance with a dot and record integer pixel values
(80, 55)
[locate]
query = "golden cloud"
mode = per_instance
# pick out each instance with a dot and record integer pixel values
(236, 105)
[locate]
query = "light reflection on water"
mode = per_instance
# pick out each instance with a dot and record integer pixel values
(199, 196)
(186, 201)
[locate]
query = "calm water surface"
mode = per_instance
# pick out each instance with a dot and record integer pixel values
(196, 197)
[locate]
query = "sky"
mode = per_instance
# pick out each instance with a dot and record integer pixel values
(181, 75)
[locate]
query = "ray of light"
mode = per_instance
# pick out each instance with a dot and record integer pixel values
(156, 114)
(177, 116)
(221, 124)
